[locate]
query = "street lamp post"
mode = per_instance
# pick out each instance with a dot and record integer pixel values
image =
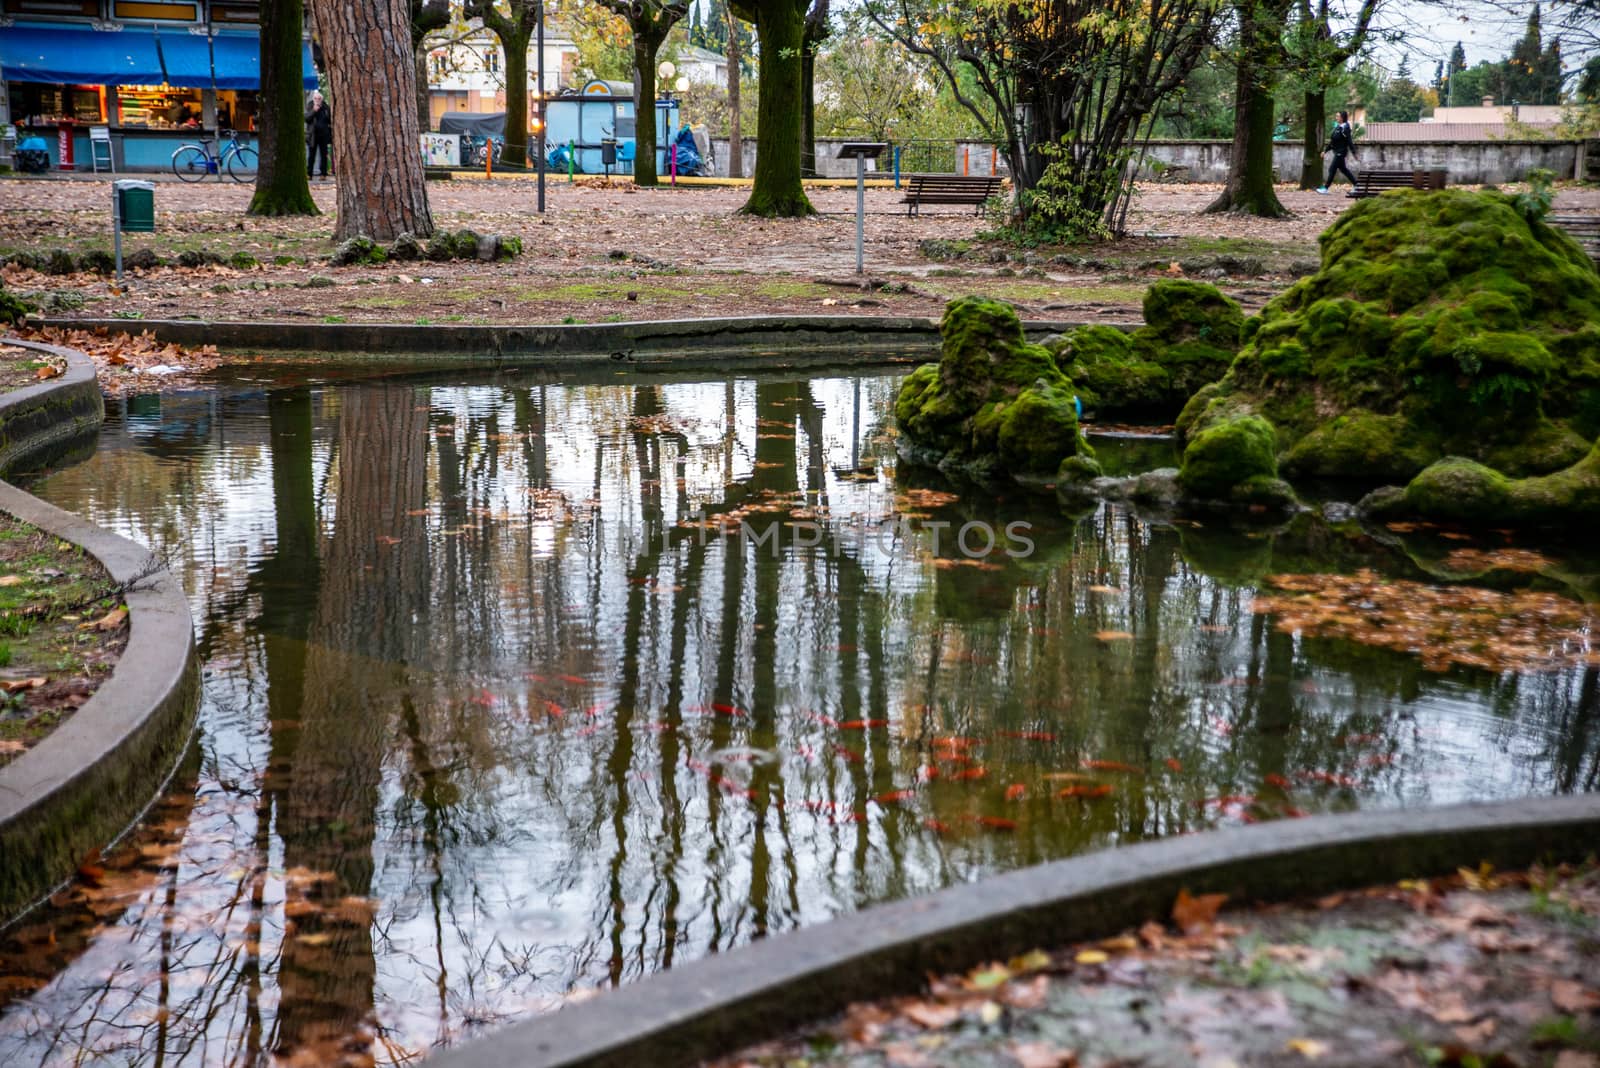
(539, 98)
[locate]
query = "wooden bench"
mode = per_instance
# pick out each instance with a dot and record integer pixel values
(1370, 181)
(1584, 229)
(949, 189)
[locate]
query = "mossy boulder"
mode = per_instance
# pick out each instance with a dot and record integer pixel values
(1457, 489)
(994, 404)
(358, 251)
(406, 249)
(13, 309)
(1192, 332)
(1442, 324)
(1227, 455)
(243, 261)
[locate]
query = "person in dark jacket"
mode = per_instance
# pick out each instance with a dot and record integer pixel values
(319, 134)
(1342, 143)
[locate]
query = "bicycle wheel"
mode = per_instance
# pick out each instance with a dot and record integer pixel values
(189, 163)
(242, 164)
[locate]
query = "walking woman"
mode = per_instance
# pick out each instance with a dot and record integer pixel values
(1342, 143)
(319, 133)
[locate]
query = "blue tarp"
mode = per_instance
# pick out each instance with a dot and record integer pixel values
(688, 159)
(74, 55)
(186, 57)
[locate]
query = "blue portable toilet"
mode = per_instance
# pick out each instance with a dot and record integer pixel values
(603, 111)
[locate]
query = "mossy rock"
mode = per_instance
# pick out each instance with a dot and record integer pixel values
(507, 248)
(13, 309)
(142, 259)
(59, 261)
(358, 251)
(243, 261)
(466, 244)
(198, 257)
(1192, 332)
(1228, 455)
(99, 261)
(1457, 489)
(406, 249)
(441, 246)
(993, 404)
(1439, 324)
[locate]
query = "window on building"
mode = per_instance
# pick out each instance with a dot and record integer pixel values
(491, 60)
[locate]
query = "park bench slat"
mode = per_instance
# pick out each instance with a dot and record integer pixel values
(1370, 182)
(948, 189)
(1584, 229)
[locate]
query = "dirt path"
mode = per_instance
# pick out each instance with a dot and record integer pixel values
(610, 252)
(1476, 970)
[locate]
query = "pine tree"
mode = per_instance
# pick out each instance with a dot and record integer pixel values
(1522, 67)
(1458, 64)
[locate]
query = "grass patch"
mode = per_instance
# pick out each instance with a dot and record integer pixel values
(64, 627)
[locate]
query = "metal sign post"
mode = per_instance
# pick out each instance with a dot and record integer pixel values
(861, 151)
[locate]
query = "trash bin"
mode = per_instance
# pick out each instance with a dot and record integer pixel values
(608, 153)
(136, 205)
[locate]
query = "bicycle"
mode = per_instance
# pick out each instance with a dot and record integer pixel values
(192, 162)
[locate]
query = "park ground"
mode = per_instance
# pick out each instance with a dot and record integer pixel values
(1478, 970)
(607, 252)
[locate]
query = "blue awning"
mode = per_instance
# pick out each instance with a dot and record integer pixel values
(186, 57)
(80, 55)
(236, 60)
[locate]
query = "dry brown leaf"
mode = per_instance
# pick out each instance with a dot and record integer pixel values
(110, 621)
(931, 1016)
(19, 685)
(11, 580)
(1572, 997)
(1112, 635)
(1041, 1055)
(10, 747)
(1193, 914)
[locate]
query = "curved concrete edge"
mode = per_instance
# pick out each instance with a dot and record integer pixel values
(721, 1003)
(45, 416)
(744, 341)
(84, 784)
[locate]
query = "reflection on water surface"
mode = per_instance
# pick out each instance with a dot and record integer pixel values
(495, 711)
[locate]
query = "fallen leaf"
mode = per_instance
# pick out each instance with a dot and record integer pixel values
(1571, 997)
(1193, 914)
(19, 685)
(110, 621)
(47, 371)
(1091, 956)
(1041, 1055)
(988, 977)
(11, 580)
(1112, 635)
(10, 747)
(1309, 1048)
(931, 1016)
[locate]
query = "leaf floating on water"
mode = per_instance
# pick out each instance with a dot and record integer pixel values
(895, 797)
(1174, 764)
(1445, 626)
(863, 724)
(1113, 635)
(1192, 914)
(1016, 792)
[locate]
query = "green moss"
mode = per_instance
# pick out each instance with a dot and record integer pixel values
(242, 261)
(1228, 454)
(508, 248)
(359, 251)
(1190, 336)
(1463, 490)
(13, 309)
(1439, 324)
(993, 403)
(1385, 446)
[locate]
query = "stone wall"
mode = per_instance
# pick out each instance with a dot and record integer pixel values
(1469, 162)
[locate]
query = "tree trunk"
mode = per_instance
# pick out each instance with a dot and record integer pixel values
(1316, 119)
(735, 79)
(808, 102)
(780, 36)
(644, 109)
(282, 187)
(377, 149)
(424, 111)
(516, 50)
(1249, 188)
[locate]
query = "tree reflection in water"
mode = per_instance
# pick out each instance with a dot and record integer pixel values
(494, 714)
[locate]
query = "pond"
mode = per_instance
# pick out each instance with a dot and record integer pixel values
(515, 689)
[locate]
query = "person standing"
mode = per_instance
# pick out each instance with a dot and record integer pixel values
(1341, 144)
(319, 133)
